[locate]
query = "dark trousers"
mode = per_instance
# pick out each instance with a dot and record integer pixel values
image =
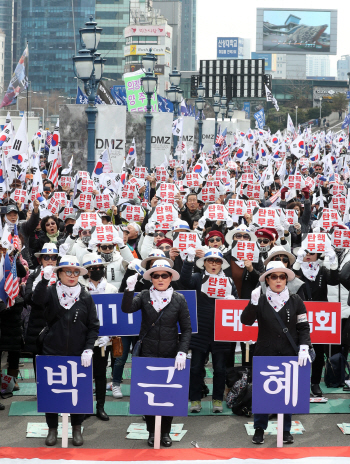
(52, 419)
(99, 365)
(119, 362)
(165, 427)
(261, 420)
(230, 356)
(196, 375)
(12, 359)
(343, 348)
(317, 365)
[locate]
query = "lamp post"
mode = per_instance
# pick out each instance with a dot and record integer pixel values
(88, 66)
(296, 118)
(223, 111)
(216, 108)
(230, 110)
(175, 96)
(200, 106)
(149, 85)
(320, 109)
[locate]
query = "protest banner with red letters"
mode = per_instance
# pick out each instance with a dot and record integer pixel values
(103, 202)
(238, 207)
(132, 213)
(216, 183)
(251, 205)
(64, 212)
(85, 185)
(88, 220)
(337, 189)
(328, 218)
(163, 215)
(54, 205)
(166, 192)
(66, 182)
(341, 238)
(18, 195)
(266, 217)
(253, 191)
(61, 197)
(83, 175)
(222, 174)
(316, 243)
(105, 233)
(84, 201)
(290, 216)
(215, 212)
(208, 194)
(185, 240)
(140, 172)
(247, 167)
(216, 287)
(242, 250)
(180, 185)
(309, 182)
(295, 182)
(193, 180)
(161, 174)
(338, 202)
(324, 319)
(248, 178)
(129, 191)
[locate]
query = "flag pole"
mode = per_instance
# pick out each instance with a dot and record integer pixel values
(27, 89)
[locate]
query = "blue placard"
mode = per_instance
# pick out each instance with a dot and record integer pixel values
(280, 385)
(246, 109)
(114, 322)
(260, 118)
(348, 94)
(227, 47)
(64, 385)
(157, 388)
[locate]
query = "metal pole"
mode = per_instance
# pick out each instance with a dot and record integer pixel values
(200, 128)
(320, 110)
(91, 111)
(216, 126)
(176, 112)
(296, 118)
(149, 118)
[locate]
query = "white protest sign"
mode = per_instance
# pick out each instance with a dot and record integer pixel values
(54, 205)
(329, 218)
(338, 203)
(84, 201)
(216, 287)
(130, 191)
(223, 175)
(85, 185)
(193, 180)
(337, 189)
(132, 213)
(341, 238)
(185, 240)
(316, 243)
(64, 212)
(66, 182)
(208, 194)
(163, 215)
(309, 182)
(242, 250)
(161, 174)
(141, 172)
(251, 205)
(18, 195)
(103, 202)
(238, 207)
(295, 182)
(215, 212)
(88, 220)
(266, 217)
(166, 192)
(290, 216)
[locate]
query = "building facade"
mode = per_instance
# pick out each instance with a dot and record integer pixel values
(172, 11)
(189, 35)
(317, 65)
(6, 25)
(343, 67)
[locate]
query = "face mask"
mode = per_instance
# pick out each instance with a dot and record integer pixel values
(264, 249)
(97, 274)
(108, 257)
(167, 254)
(86, 239)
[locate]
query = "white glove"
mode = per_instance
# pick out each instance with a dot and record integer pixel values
(119, 241)
(331, 255)
(280, 230)
(150, 228)
(301, 255)
(180, 361)
(62, 250)
(191, 253)
(285, 225)
(102, 341)
(201, 222)
(229, 297)
(255, 296)
(229, 222)
(86, 358)
(303, 355)
(76, 229)
(48, 270)
(131, 282)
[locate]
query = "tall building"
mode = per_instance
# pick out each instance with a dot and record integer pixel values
(172, 11)
(53, 38)
(317, 65)
(343, 67)
(2, 61)
(6, 25)
(188, 35)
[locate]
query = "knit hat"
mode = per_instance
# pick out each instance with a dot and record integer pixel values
(214, 233)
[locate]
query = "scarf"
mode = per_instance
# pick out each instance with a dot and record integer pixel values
(240, 264)
(160, 299)
(101, 286)
(67, 295)
(310, 270)
(277, 300)
(10, 225)
(53, 237)
(40, 276)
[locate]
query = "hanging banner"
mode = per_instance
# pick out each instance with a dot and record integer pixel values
(208, 133)
(188, 130)
(135, 98)
(161, 134)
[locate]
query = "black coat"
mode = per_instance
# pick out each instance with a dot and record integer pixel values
(271, 339)
(141, 284)
(36, 320)
(317, 290)
(204, 339)
(66, 337)
(162, 340)
(40, 240)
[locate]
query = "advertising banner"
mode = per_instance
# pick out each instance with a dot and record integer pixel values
(136, 99)
(188, 124)
(208, 133)
(144, 30)
(161, 137)
(228, 48)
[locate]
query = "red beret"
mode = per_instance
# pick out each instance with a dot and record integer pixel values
(339, 226)
(214, 233)
(265, 233)
(165, 240)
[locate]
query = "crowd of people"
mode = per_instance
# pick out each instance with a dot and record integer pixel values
(129, 240)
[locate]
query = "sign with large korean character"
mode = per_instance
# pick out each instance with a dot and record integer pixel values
(88, 220)
(114, 322)
(222, 174)
(163, 214)
(325, 321)
(83, 175)
(253, 191)
(242, 250)
(215, 212)
(247, 178)
(290, 216)
(247, 167)
(251, 205)
(129, 191)
(296, 182)
(338, 188)
(64, 212)
(238, 207)
(328, 218)
(84, 201)
(64, 385)
(141, 172)
(18, 195)
(208, 194)
(265, 217)
(341, 238)
(316, 243)
(304, 161)
(157, 388)
(218, 184)
(161, 174)
(66, 182)
(105, 233)
(61, 197)
(280, 385)
(185, 240)
(310, 182)
(180, 185)
(103, 202)
(193, 180)
(166, 192)
(54, 205)
(338, 202)
(85, 185)
(278, 164)
(216, 287)
(132, 213)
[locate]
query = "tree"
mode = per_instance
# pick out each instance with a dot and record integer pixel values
(339, 102)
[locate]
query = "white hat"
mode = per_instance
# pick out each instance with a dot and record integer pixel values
(136, 227)
(212, 254)
(279, 250)
(161, 265)
(277, 266)
(70, 261)
(135, 265)
(240, 229)
(178, 226)
(47, 249)
(92, 259)
(156, 254)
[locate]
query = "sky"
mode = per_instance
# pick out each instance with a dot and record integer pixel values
(237, 18)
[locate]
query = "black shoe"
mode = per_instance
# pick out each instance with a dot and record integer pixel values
(258, 438)
(150, 440)
(51, 438)
(2, 407)
(316, 390)
(101, 414)
(166, 440)
(288, 438)
(77, 436)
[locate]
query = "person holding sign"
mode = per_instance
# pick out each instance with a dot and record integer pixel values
(162, 309)
(210, 284)
(73, 326)
(278, 306)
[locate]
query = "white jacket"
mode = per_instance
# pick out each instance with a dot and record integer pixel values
(147, 246)
(116, 269)
(79, 249)
(334, 290)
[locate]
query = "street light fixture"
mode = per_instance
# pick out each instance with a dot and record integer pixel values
(175, 95)
(175, 77)
(90, 35)
(200, 106)
(223, 111)
(223, 100)
(216, 108)
(296, 118)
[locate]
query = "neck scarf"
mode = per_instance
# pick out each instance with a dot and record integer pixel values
(67, 295)
(240, 264)
(160, 299)
(310, 270)
(101, 286)
(53, 237)
(11, 225)
(277, 300)
(40, 276)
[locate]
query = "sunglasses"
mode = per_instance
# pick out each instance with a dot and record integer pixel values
(160, 276)
(96, 268)
(49, 257)
(214, 239)
(85, 232)
(214, 261)
(48, 224)
(265, 241)
(107, 247)
(245, 236)
(165, 247)
(159, 234)
(311, 254)
(70, 273)
(284, 259)
(278, 276)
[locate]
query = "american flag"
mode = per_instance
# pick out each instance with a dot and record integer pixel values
(221, 137)
(11, 282)
(53, 174)
(16, 243)
(48, 140)
(225, 151)
(146, 194)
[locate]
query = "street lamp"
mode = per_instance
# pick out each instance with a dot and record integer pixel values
(216, 108)
(320, 110)
(88, 66)
(149, 86)
(296, 118)
(200, 106)
(175, 95)
(223, 111)
(230, 109)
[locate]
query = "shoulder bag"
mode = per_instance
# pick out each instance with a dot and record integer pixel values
(137, 348)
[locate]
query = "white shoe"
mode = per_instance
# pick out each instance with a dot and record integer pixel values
(117, 392)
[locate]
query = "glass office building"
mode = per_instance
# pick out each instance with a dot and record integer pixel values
(6, 25)
(53, 38)
(188, 35)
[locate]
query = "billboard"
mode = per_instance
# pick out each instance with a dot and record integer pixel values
(269, 58)
(144, 31)
(143, 49)
(296, 31)
(229, 47)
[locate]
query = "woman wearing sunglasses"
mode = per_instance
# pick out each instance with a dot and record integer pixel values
(272, 341)
(160, 339)
(310, 269)
(215, 239)
(71, 316)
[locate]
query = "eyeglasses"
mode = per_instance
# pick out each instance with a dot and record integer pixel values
(160, 276)
(214, 261)
(284, 259)
(214, 239)
(245, 236)
(96, 268)
(278, 276)
(165, 247)
(159, 234)
(85, 232)
(265, 241)
(48, 224)
(107, 247)
(49, 257)
(311, 254)
(70, 273)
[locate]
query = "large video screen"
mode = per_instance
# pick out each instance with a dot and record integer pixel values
(296, 31)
